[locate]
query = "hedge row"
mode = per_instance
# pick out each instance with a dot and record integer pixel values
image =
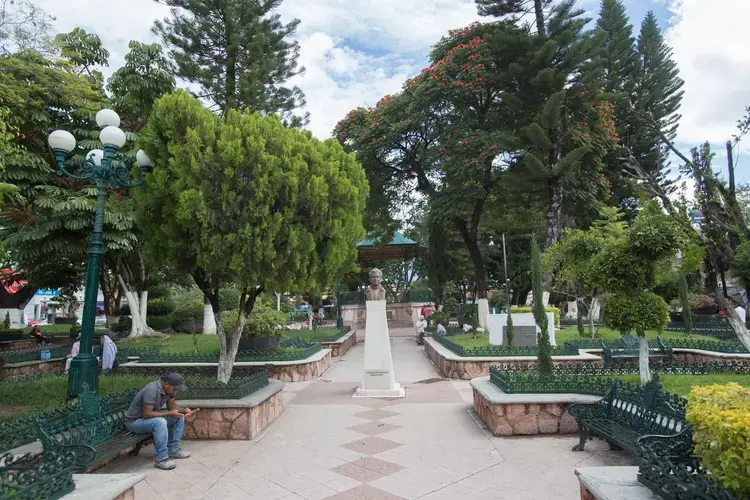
(720, 416)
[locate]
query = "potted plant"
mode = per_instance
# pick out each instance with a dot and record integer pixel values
(261, 329)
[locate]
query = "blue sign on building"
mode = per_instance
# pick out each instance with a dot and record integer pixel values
(47, 292)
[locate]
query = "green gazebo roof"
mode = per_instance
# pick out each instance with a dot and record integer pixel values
(400, 248)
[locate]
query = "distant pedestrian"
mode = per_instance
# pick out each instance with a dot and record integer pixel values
(37, 335)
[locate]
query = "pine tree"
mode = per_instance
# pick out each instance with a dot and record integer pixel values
(619, 49)
(514, 9)
(238, 52)
(543, 346)
(687, 314)
(619, 64)
(657, 94)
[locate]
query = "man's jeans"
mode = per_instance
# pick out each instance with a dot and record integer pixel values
(167, 434)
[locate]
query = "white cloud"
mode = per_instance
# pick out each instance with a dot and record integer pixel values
(354, 51)
(710, 40)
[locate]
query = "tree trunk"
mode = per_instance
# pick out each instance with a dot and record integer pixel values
(643, 367)
(539, 14)
(139, 327)
(144, 306)
(230, 342)
(480, 275)
(554, 214)
(209, 323)
(734, 319)
(730, 167)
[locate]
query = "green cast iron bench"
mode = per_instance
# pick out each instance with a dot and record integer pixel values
(629, 412)
(628, 349)
(94, 431)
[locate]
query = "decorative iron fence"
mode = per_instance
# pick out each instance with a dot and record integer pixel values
(48, 476)
(499, 350)
(288, 351)
(35, 354)
(323, 335)
(236, 388)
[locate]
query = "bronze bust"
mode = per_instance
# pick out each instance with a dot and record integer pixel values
(375, 291)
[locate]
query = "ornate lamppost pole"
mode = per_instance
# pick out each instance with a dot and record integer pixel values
(107, 170)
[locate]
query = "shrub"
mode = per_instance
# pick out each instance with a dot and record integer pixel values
(554, 310)
(229, 298)
(189, 310)
(263, 321)
(468, 311)
(640, 312)
(160, 306)
(11, 331)
(160, 323)
(6, 321)
(720, 416)
(122, 325)
(705, 303)
(440, 317)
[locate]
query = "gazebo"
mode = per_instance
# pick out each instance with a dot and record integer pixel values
(372, 250)
(399, 248)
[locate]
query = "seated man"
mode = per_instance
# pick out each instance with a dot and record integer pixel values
(147, 415)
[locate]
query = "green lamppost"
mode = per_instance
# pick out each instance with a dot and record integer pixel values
(107, 170)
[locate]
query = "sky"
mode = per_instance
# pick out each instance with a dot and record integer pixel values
(356, 51)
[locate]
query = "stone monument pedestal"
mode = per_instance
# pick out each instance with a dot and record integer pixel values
(379, 380)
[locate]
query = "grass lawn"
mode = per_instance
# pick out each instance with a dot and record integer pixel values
(561, 336)
(180, 343)
(45, 393)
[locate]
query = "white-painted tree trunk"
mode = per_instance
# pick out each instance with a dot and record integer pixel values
(643, 367)
(229, 346)
(139, 327)
(483, 311)
(209, 323)
(734, 319)
(310, 319)
(278, 301)
(144, 305)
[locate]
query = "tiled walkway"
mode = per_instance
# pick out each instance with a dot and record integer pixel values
(327, 445)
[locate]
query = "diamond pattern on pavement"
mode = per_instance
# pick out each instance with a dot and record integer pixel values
(356, 472)
(375, 414)
(371, 445)
(364, 492)
(382, 466)
(373, 428)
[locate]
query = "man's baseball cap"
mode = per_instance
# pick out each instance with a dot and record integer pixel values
(175, 380)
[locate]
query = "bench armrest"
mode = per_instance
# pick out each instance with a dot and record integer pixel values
(83, 453)
(587, 410)
(678, 445)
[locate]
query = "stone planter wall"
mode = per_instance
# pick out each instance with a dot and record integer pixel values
(19, 370)
(11, 345)
(301, 371)
(451, 365)
(287, 371)
(235, 419)
(341, 346)
(522, 419)
(706, 357)
(524, 414)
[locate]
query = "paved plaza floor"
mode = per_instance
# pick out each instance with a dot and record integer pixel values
(327, 445)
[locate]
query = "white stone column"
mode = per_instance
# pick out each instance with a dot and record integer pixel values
(379, 379)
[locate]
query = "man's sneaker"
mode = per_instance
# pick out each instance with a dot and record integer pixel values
(165, 465)
(180, 454)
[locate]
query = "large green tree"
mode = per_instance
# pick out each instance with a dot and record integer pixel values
(243, 199)
(238, 52)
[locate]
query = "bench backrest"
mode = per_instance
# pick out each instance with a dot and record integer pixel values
(93, 420)
(628, 341)
(646, 409)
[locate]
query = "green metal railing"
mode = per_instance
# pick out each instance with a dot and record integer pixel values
(35, 354)
(498, 350)
(28, 477)
(323, 335)
(287, 351)
(236, 388)
(588, 379)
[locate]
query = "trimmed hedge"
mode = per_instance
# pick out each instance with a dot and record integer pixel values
(11, 332)
(720, 416)
(554, 310)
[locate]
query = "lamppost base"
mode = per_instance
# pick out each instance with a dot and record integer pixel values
(83, 375)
